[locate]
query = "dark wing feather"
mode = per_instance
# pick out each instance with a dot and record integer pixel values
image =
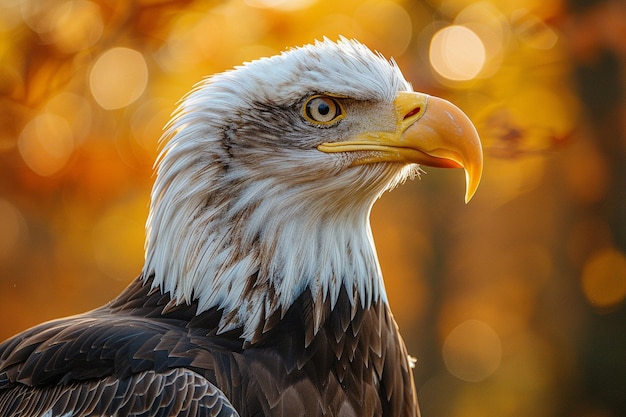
(114, 360)
(177, 392)
(81, 348)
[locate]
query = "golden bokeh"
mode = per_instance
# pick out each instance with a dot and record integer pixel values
(46, 143)
(281, 4)
(74, 25)
(457, 53)
(472, 351)
(118, 77)
(604, 278)
(500, 300)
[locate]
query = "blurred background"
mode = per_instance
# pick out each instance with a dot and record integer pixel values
(512, 304)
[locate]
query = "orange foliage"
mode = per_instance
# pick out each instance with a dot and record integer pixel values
(495, 298)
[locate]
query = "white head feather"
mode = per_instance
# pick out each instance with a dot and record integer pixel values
(246, 213)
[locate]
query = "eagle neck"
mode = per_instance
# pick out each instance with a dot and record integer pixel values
(252, 259)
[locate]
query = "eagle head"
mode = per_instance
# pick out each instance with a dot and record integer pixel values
(269, 172)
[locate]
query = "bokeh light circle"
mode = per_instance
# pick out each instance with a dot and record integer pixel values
(46, 144)
(75, 25)
(604, 278)
(118, 78)
(472, 351)
(457, 53)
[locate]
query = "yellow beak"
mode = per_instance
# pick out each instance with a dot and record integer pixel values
(429, 131)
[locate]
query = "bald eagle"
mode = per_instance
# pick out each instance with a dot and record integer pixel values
(261, 293)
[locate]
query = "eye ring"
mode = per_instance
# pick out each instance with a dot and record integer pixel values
(323, 110)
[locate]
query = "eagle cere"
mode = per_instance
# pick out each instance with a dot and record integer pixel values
(261, 294)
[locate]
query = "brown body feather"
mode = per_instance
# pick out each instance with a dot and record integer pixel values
(142, 361)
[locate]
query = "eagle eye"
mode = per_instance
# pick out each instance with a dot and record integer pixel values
(323, 110)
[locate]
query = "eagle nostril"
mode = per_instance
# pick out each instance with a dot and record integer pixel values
(413, 112)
